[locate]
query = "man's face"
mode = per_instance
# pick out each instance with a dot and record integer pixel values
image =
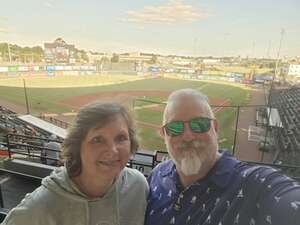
(191, 151)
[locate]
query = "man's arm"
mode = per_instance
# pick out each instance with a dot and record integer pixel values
(281, 205)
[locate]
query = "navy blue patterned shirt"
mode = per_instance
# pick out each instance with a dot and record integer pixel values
(233, 192)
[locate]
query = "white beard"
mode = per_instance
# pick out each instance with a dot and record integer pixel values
(191, 161)
(190, 164)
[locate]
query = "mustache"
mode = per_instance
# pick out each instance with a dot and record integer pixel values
(196, 144)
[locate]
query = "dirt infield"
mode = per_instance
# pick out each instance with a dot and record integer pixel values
(127, 97)
(118, 96)
(20, 109)
(124, 97)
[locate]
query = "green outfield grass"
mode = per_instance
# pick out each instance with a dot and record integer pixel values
(49, 100)
(65, 81)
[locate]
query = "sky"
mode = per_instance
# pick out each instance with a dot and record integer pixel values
(243, 28)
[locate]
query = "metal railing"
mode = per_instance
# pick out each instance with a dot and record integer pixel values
(29, 146)
(55, 121)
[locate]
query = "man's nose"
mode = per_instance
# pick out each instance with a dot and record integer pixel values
(188, 134)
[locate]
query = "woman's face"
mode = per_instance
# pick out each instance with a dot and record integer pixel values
(105, 149)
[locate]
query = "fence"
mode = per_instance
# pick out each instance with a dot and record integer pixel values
(55, 121)
(29, 147)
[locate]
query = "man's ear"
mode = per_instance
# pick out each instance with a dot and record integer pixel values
(216, 125)
(162, 132)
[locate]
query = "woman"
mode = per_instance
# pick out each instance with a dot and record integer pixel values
(94, 187)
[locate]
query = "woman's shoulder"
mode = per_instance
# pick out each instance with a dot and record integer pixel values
(30, 209)
(34, 199)
(131, 176)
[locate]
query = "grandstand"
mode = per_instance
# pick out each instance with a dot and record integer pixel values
(287, 102)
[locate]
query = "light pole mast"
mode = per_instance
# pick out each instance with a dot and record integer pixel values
(278, 52)
(269, 106)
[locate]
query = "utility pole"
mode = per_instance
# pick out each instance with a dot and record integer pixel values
(269, 107)
(9, 54)
(253, 50)
(268, 50)
(195, 47)
(26, 97)
(276, 65)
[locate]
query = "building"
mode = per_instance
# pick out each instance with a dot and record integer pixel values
(59, 52)
(293, 70)
(95, 57)
(211, 61)
(135, 57)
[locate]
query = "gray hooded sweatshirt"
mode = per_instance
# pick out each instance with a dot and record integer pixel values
(59, 202)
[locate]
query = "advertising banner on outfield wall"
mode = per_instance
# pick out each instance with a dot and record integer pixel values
(59, 68)
(3, 69)
(68, 68)
(13, 69)
(23, 68)
(50, 68)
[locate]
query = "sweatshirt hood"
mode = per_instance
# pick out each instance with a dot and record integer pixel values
(59, 182)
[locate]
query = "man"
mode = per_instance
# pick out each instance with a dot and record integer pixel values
(202, 185)
(50, 155)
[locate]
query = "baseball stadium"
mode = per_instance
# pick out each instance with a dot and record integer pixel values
(259, 123)
(149, 112)
(242, 110)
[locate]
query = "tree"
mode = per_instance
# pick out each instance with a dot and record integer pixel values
(153, 60)
(115, 58)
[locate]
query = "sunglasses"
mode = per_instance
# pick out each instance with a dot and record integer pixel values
(197, 125)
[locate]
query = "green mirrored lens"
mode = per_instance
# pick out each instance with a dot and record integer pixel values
(174, 128)
(200, 125)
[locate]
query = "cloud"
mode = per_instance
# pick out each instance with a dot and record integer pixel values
(49, 3)
(173, 12)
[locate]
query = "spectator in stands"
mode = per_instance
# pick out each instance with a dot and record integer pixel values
(204, 185)
(52, 150)
(94, 186)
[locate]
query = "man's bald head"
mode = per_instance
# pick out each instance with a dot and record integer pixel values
(178, 97)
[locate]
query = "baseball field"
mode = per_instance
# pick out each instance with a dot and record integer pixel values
(59, 95)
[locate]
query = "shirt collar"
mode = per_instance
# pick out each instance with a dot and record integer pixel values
(220, 174)
(168, 168)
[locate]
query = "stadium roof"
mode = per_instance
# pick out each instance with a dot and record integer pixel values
(44, 125)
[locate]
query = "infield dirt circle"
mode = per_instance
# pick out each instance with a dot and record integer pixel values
(125, 97)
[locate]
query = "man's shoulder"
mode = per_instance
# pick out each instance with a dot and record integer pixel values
(164, 167)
